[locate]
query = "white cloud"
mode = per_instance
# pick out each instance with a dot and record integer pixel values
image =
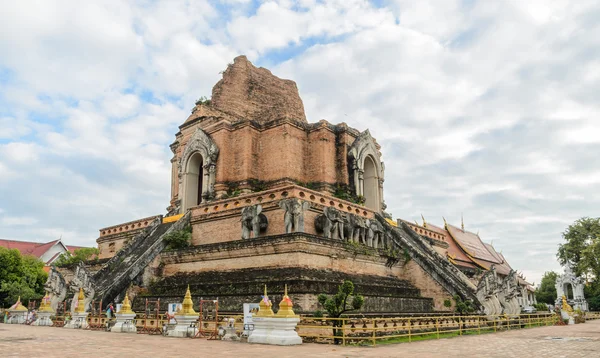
(17, 221)
(485, 108)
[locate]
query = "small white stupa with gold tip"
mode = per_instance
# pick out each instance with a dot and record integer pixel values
(79, 319)
(276, 329)
(125, 317)
(186, 318)
(17, 312)
(44, 313)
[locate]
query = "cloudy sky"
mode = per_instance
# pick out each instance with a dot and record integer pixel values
(486, 108)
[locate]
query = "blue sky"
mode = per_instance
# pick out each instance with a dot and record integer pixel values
(485, 109)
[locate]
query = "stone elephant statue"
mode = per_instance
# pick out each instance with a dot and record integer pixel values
(294, 214)
(253, 221)
(330, 223)
(375, 234)
(356, 229)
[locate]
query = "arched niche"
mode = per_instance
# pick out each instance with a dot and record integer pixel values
(197, 170)
(366, 171)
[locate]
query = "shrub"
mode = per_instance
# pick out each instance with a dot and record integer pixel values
(179, 239)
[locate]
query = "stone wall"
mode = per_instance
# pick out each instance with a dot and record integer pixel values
(297, 252)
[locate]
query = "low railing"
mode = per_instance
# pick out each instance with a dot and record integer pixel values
(589, 316)
(373, 331)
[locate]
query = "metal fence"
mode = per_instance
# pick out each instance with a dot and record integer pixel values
(373, 331)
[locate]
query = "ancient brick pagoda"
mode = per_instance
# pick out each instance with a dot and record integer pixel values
(271, 198)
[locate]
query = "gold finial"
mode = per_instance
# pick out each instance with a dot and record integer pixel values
(18, 306)
(462, 222)
(80, 301)
(264, 307)
(45, 304)
(126, 306)
(187, 307)
(445, 223)
(286, 307)
(424, 222)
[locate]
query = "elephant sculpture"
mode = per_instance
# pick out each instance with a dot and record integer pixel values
(294, 214)
(253, 221)
(331, 223)
(356, 229)
(375, 234)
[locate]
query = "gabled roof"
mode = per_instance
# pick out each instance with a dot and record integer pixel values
(72, 249)
(455, 254)
(503, 268)
(28, 248)
(472, 245)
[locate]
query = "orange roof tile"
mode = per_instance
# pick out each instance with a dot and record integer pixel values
(472, 244)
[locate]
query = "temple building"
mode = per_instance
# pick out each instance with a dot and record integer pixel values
(270, 197)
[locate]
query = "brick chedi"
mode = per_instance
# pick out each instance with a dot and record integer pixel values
(271, 198)
(255, 94)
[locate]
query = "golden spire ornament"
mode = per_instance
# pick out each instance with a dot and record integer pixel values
(187, 307)
(45, 304)
(18, 306)
(264, 307)
(80, 302)
(286, 307)
(126, 306)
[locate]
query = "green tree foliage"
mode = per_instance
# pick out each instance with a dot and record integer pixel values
(20, 276)
(582, 250)
(343, 301)
(546, 293)
(79, 255)
(179, 239)
(582, 247)
(463, 307)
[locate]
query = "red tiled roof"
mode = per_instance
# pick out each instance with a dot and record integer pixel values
(73, 248)
(454, 251)
(472, 244)
(503, 268)
(28, 248)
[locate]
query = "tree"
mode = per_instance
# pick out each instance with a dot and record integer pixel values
(546, 293)
(20, 276)
(79, 255)
(582, 247)
(343, 301)
(179, 239)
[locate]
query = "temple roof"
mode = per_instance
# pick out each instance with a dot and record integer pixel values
(472, 245)
(503, 268)
(455, 253)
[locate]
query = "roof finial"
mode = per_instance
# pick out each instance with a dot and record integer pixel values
(462, 222)
(424, 222)
(445, 223)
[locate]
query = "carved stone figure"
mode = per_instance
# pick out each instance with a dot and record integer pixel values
(253, 221)
(330, 223)
(56, 287)
(487, 293)
(294, 214)
(81, 279)
(375, 234)
(509, 293)
(356, 229)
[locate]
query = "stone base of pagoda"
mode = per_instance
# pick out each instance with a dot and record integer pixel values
(125, 323)
(78, 321)
(275, 331)
(43, 319)
(185, 327)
